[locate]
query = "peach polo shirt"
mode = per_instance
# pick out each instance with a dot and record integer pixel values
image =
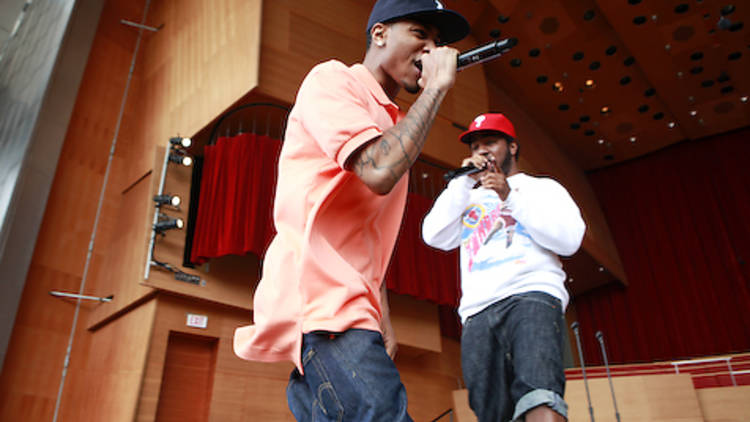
(324, 268)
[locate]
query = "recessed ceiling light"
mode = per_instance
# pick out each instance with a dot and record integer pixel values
(600, 141)
(589, 83)
(605, 110)
(632, 139)
(671, 125)
(693, 112)
(601, 269)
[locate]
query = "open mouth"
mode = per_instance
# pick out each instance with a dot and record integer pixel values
(418, 65)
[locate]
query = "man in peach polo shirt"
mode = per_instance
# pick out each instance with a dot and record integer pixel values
(321, 302)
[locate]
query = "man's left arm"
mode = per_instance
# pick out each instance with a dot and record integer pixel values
(547, 211)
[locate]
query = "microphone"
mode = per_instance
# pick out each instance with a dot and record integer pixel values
(470, 169)
(484, 53)
(481, 54)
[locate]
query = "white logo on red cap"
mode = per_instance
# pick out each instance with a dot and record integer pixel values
(478, 121)
(439, 5)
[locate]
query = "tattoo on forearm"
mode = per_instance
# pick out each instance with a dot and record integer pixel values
(410, 134)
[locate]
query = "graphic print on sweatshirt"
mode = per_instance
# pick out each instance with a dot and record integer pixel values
(487, 236)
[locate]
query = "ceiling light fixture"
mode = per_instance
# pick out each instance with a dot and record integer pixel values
(743, 98)
(693, 113)
(632, 139)
(590, 83)
(558, 87)
(601, 141)
(671, 125)
(605, 110)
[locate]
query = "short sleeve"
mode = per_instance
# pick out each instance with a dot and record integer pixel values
(333, 108)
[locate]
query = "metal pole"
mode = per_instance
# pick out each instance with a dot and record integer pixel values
(600, 337)
(574, 327)
(103, 190)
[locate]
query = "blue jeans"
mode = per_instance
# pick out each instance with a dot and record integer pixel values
(348, 377)
(511, 356)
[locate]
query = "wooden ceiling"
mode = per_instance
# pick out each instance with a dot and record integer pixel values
(660, 71)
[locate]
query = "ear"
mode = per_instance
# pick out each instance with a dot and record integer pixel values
(513, 148)
(379, 34)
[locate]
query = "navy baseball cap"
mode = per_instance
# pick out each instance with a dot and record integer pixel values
(451, 25)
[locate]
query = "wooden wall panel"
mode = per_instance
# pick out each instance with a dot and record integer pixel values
(240, 388)
(415, 322)
(725, 404)
(105, 375)
(639, 398)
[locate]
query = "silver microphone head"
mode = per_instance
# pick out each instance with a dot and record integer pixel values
(574, 326)
(599, 336)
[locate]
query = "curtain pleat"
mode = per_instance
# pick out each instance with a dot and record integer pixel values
(679, 218)
(236, 201)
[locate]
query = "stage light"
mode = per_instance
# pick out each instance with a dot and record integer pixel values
(558, 87)
(181, 159)
(605, 110)
(671, 125)
(743, 98)
(589, 83)
(632, 139)
(181, 142)
(601, 141)
(693, 112)
(172, 200)
(172, 223)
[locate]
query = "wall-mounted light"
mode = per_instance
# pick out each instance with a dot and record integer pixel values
(169, 224)
(181, 159)
(181, 142)
(167, 199)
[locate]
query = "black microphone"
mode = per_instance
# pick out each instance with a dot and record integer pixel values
(470, 169)
(486, 52)
(481, 54)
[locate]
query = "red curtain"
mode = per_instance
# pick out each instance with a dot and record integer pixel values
(236, 197)
(417, 269)
(680, 219)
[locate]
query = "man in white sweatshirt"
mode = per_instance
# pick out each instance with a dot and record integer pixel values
(510, 227)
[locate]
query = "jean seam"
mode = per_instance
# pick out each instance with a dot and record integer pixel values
(326, 383)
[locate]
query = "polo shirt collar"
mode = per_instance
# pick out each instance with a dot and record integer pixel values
(364, 76)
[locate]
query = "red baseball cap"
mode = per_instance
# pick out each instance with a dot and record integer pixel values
(489, 122)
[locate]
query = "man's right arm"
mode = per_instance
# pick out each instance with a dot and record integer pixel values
(382, 162)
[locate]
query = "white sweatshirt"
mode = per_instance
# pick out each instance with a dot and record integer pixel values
(507, 247)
